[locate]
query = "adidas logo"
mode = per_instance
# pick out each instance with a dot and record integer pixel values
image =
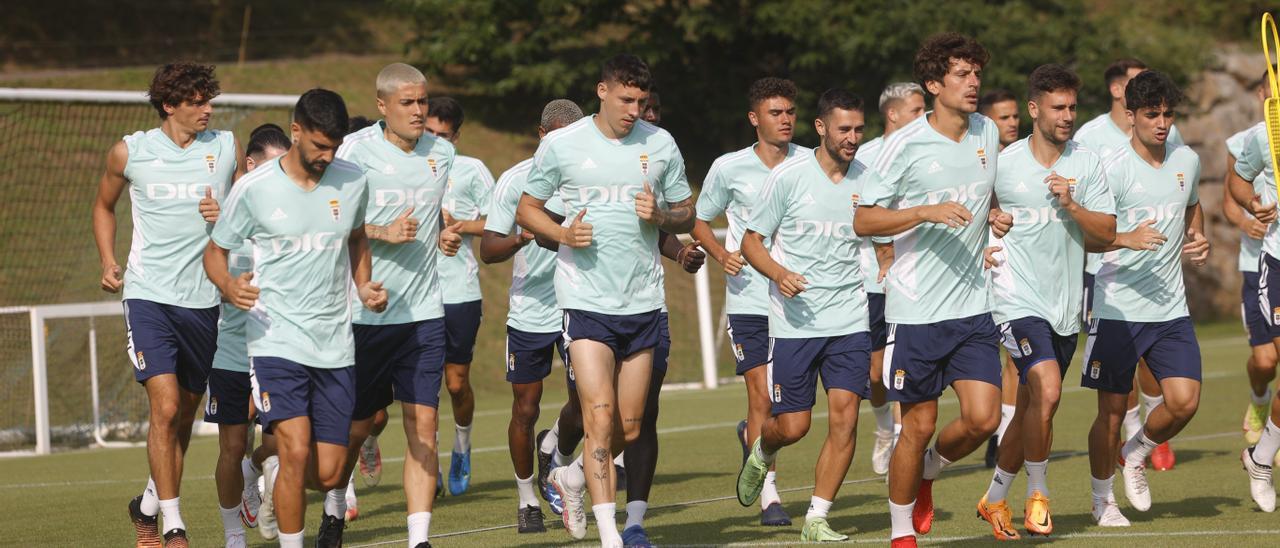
(278, 214)
(157, 163)
(389, 170)
(1022, 187)
(934, 167)
(1137, 187)
(588, 164)
(807, 199)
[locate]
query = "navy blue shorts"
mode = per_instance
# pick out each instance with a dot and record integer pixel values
(1251, 311)
(921, 360)
(875, 314)
(662, 352)
(228, 397)
(749, 335)
(529, 355)
(461, 323)
(1086, 311)
(171, 340)
(844, 362)
(624, 334)
(402, 362)
(1032, 340)
(284, 389)
(1114, 346)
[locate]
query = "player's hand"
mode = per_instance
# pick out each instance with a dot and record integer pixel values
(242, 294)
(405, 228)
(790, 283)
(884, 273)
(647, 206)
(691, 256)
(1196, 247)
(373, 296)
(989, 258)
(450, 239)
(951, 214)
(209, 208)
(1255, 229)
(111, 280)
(524, 237)
(1000, 222)
(1264, 213)
(578, 233)
(733, 262)
(1143, 238)
(1061, 189)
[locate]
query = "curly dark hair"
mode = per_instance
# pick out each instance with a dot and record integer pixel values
(934, 58)
(1050, 78)
(768, 88)
(1151, 89)
(182, 81)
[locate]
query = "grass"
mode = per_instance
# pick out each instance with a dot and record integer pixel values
(1203, 501)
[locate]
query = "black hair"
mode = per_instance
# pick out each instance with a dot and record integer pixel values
(838, 98)
(995, 96)
(768, 88)
(447, 110)
(1120, 69)
(324, 111)
(1151, 89)
(266, 136)
(1050, 78)
(265, 127)
(358, 123)
(934, 58)
(628, 70)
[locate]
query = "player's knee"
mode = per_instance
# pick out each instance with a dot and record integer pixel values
(1182, 409)
(1264, 358)
(630, 431)
(524, 413)
(457, 385)
(981, 425)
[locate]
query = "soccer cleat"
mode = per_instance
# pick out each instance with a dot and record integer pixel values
(554, 500)
(993, 452)
(250, 504)
(636, 537)
(1260, 487)
(423, 544)
(236, 540)
(817, 530)
(529, 520)
(922, 514)
(459, 472)
(751, 476)
(775, 516)
(145, 527)
(882, 451)
(370, 461)
(267, 526)
(1106, 513)
(330, 534)
(742, 438)
(1162, 458)
(176, 538)
(1000, 518)
(573, 515)
(544, 464)
(1036, 518)
(439, 486)
(903, 542)
(1255, 420)
(1135, 486)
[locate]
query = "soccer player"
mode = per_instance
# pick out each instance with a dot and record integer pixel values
(400, 354)
(175, 174)
(533, 319)
(466, 201)
(732, 187)
(1001, 106)
(653, 109)
(611, 166)
(940, 327)
(900, 104)
(1061, 206)
(816, 316)
(1140, 310)
(236, 476)
(304, 213)
(1104, 134)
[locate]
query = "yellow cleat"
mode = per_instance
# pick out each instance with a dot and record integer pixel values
(1037, 520)
(1000, 518)
(1255, 420)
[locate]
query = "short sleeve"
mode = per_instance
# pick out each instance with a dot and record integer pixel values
(502, 208)
(545, 177)
(1194, 197)
(1095, 195)
(766, 217)
(1249, 163)
(675, 183)
(362, 199)
(236, 224)
(714, 198)
(1117, 177)
(881, 188)
(482, 191)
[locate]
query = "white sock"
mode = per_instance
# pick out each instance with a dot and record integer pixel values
(1001, 481)
(231, 524)
(350, 494)
(335, 503)
(150, 501)
(561, 459)
(635, 513)
(900, 518)
(249, 471)
(1149, 403)
(884, 417)
(461, 438)
(552, 438)
(769, 494)
(172, 517)
(764, 455)
(574, 477)
(933, 463)
(1037, 477)
(818, 508)
(618, 460)
(1264, 399)
(606, 519)
(1265, 451)
(1138, 448)
(528, 497)
(1132, 423)
(291, 540)
(1006, 416)
(419, 527)
(1101, 488)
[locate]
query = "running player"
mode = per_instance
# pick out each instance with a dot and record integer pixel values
(732, 187)
(1061, 205)
(466, 201)
(400, 353)
(170, 309)
(900, 104)
(817, 322)
(304, 213)
(1104, 134)
(940, 327)
(1141, 308)
(611, 165)
(533, 319)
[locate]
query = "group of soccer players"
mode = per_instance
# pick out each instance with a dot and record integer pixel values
(321, 274)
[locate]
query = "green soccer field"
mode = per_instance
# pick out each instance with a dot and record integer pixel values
(79, 498)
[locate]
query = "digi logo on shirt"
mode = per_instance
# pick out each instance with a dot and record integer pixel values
(1036, 215)
(607, 194)
(961, 193)
(825, 229)
(1162, 212)
(397, 197)
(176, 191)
(315, 241)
